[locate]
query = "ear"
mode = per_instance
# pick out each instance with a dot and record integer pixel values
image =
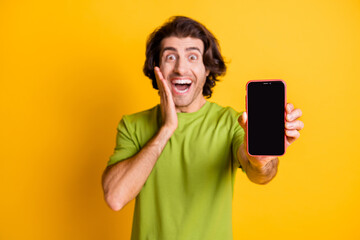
(207, 72)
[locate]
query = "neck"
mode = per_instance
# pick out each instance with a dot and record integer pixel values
(193, 107)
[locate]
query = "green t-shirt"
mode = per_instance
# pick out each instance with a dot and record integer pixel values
(189, 192)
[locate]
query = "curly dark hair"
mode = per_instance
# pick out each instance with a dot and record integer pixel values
(180, 26)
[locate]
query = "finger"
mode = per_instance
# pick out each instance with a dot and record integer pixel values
(292, 134)
(166, 98)
(162, 81)
(163, 90)
(295, 114)
(297, 125)
(289, 108)
(166, 89)
(158, 76)
(158, 73)
(242, 120)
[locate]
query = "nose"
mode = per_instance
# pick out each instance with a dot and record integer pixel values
(181, 66)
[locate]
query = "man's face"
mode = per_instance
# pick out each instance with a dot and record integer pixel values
(182, 66)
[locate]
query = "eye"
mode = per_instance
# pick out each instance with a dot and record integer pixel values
(170, 57)
(193, 57)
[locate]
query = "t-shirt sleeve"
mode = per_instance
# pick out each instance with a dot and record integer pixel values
(126, 146)
(238, 138)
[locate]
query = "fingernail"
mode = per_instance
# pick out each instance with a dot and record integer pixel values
(289, 125)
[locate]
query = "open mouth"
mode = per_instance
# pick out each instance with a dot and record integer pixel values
(181, 86)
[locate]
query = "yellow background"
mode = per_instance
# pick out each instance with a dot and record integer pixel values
(70, 69)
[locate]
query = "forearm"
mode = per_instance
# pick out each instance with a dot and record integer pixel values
(123, 181)
(258, 174)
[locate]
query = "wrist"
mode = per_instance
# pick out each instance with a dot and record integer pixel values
(166, 131)
(267, 169)
(261, 168)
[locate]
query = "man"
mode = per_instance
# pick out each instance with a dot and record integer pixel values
(179, 159)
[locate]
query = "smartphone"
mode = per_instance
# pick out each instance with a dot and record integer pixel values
(265, 107)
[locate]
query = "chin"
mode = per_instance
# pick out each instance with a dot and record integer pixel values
(182, 102)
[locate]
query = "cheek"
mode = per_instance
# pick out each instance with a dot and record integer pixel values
(165, 68)
(200, 71)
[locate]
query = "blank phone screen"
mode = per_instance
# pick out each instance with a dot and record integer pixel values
(266, 117)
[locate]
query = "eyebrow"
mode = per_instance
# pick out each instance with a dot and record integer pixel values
(174, 49)
(193, 48)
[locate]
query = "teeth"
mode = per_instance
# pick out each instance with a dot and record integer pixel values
(181, 81)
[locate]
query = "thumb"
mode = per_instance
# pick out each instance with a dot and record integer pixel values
(242, 120)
